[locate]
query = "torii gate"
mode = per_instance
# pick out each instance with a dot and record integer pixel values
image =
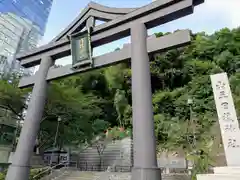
(119, 23)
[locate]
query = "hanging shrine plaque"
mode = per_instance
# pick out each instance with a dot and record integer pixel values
(81, 50)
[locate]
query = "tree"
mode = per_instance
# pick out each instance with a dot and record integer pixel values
(12, 104)
(185, 72)
(78, 112)
(118, 80)
(11, 97)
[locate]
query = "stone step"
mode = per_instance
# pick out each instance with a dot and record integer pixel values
(99, 176)
(218, 177)
(105, 153)
(227, 170)
(82, 176)
(96, 154)
(72, 174)
(121, 176)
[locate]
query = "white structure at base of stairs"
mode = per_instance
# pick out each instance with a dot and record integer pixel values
(222, 173)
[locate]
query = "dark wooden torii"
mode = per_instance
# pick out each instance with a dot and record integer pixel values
(119, 23)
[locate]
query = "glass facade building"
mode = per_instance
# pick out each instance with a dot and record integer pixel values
(36, 11)
(22, 25)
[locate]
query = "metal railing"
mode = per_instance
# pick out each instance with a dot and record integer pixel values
(84, 166)
(50, 169)
(103, 168)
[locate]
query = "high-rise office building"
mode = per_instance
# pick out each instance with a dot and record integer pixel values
(22, 25)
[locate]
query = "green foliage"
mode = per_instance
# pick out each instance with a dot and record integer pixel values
(11, 97)
(118, 80)
(118, 133)
(79, 114)
(12, 104)
(33, 173)
(3, 175)
(184, 73)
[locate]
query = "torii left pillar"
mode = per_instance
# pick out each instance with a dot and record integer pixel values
(20, 167)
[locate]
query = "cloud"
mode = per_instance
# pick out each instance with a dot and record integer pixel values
(209, 17)
(225, 9)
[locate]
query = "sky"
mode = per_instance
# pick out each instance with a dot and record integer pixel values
(211, 16)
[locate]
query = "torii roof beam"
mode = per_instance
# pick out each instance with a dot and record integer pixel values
(101, 13)
(154, 14)
(177, 39)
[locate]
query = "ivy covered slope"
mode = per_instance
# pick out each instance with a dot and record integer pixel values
(184, 73)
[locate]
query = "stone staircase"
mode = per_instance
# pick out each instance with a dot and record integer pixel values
(116, 164)
(78, 175)
(117, 155)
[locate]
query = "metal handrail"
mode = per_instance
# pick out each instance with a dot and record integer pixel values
(49, 169)
(53, 167)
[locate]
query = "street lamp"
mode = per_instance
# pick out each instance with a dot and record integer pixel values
(55, 139)
(191, 119)
(190, 103)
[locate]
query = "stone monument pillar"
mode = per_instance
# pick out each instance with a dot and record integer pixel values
(229, 127)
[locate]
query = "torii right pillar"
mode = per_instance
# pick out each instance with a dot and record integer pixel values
(145, 159)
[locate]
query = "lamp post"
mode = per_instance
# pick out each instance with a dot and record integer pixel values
(190, 103)
(55, 139)
(191, 125)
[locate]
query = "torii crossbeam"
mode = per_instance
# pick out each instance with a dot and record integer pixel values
(119, 23)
